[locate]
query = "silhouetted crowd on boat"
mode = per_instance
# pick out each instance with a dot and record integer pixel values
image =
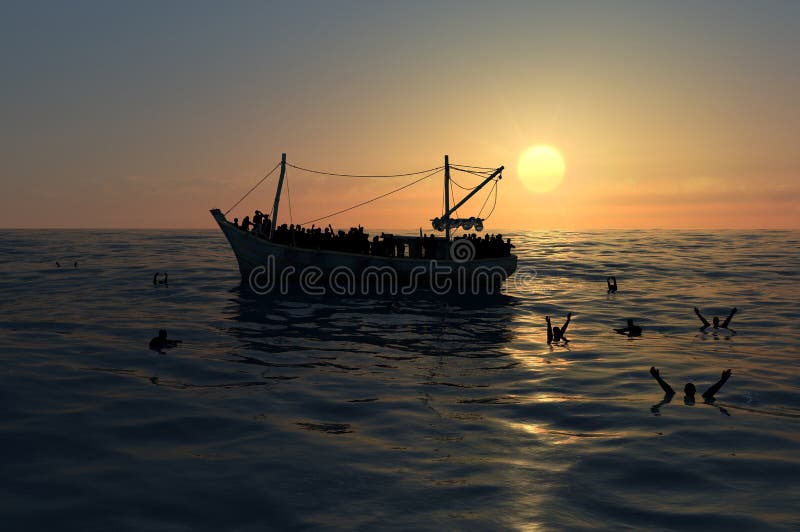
(355, 240)
(261, 225)
(490, 246)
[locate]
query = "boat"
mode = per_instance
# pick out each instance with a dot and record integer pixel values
(278, 258)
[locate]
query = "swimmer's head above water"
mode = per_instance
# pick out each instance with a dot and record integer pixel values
(715, 322)
(689, 390)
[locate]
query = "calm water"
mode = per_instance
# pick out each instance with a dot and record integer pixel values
(397, 413)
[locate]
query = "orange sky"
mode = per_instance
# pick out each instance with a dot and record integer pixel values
(124, 117)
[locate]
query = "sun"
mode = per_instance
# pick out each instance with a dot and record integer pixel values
(541, 168)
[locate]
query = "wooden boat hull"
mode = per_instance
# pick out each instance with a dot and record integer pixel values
(255, 255)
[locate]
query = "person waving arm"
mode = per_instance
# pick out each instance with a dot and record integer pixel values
(661, 382)
(566, 324)
(708, 394)
(729, 318)
(705, 321)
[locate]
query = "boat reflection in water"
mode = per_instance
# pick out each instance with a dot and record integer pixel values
(474, 326)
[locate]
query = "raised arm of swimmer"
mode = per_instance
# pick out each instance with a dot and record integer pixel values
(728, 319)
(661, 382)
(549, 330)
(705, 321)
(566, 324)
(708, 394)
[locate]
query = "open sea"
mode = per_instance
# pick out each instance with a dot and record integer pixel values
(399, 413)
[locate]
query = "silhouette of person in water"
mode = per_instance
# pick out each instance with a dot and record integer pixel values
(554, 334)
(715, 320)
(631, 329)
(689, 390)
(612, 284)
(161, 342)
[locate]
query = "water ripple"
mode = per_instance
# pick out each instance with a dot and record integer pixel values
(410, 413)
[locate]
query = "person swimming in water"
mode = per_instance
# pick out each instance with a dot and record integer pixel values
(612, 284)
(631, 329)
(689, 390)
(161, 342)
(717, 325)
(554, 334)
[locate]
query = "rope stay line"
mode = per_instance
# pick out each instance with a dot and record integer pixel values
(480, 171)
(462, 187)
(252, 189)
(494, 203)
(434, 172)
(453, 199)
(289, 197)
(485, 201)
(483, 173)
(478, 174)
(494, 190)
(363, 176)
(476, 167)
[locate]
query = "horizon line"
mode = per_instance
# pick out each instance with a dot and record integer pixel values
(653, 228)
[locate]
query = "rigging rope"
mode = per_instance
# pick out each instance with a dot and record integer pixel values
(479, 174)
(487, 199)
(289, 197)
(252, 189)
(476, 167)
(494, 203)
(435, 171)
(453, 199)
(443, 204)
(355, 175)
(483, 173)
(453, 181)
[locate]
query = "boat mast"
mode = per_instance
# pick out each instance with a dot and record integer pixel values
(447, 197)
(278, 193)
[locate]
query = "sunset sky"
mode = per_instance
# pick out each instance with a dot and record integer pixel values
(147, 114)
